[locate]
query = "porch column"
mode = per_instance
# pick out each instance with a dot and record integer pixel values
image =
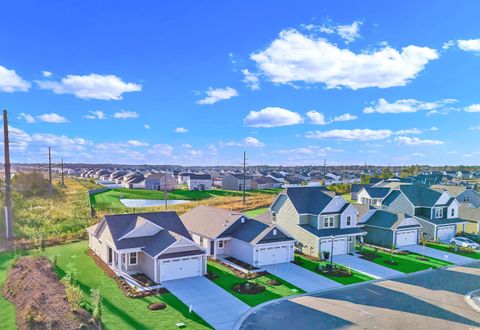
(119, 262)
(155, 270)
(214, 249)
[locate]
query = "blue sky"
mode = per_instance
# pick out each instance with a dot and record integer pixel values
(197, 82)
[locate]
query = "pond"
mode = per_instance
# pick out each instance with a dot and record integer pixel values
(150, 202)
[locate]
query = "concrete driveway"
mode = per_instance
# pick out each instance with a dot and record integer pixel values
(434, 253)
(365, 266)
(215, 305)
(301, 277)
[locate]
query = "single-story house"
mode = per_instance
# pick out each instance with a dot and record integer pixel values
(265, 182)
(199, 182)
(355, 189)
(160, 181)
(230, 234)
(156, 244)
(372, 195)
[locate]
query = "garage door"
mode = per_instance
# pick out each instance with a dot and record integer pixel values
(273, 255)
(339, 246)
(406, 237)
(445, 233)
(172, 269)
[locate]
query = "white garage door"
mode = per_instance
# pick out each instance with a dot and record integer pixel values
(445, 233)
(339, 246)
(172, 269)
(406, 237)
(273, 255)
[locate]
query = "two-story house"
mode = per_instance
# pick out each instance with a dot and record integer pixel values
(317, 219)
(437, 212)
(236, 182)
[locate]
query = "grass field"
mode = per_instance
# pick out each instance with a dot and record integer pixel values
(312, 265)
(118, 311)
(408, 263)
(450, 248)
(226, 279)
(256, 212)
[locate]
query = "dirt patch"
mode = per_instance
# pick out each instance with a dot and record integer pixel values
(40, 298)
(211, 276)
(248, 288)
(274, 283)
(157, 306)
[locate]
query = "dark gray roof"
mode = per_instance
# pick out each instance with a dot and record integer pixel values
(356, 187)
(200, 176)
(180, 254)
(240, 176)
(333, 231)
(265, 179)
(391, 197)
(308, 199)
(440, 222)
(386, 219)
(376, 192)
(420, 195)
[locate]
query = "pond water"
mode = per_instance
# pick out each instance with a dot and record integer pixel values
(150, 202)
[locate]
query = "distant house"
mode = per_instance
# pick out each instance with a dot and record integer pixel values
(293, 180)
(199, 182)
(265, 182)
(355, 189)
(160, 181)
(372, 195)
(182, 177)
(236, 181)
(133, 181)
(116, 175)
(156, 244)
(470, 197)
(229, 234)
(277, 176)
(472, 216)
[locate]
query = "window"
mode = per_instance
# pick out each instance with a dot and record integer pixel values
(328, 222)
(220, 244)
(452, 212)
(274, 232)
(133, 258)
(123, 259)
(274, 217)
(466, 199)
(438, 213)
(349, 220)
(201, 240)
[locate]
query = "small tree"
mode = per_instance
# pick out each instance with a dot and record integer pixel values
(392, 251)
(96, 306)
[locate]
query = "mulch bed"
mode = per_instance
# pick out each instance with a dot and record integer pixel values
(422, 259)
(157, 306)
(274, 282)
(248, 288)
(241, 263)
(236, 271)
(338, 272)
(143, 279)
(40, 298)
(211, 276)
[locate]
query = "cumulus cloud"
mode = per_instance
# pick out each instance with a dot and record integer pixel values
(161, 149)
(27, 117)
(146, 126)
(295, 57)
(47, 74)
(470, 45)
(316, 118)
(345, 117)
(472, 108)
(414, 141)
(350, 134)
(92, 86)
(406, 106)
(136, 143)
(218, 94)
(53, 118)
(251, 80)
(124, 114)
(96, 115)
(272, 117)
(409, 131)
(181, 130)
(11, 82)
(253, 142)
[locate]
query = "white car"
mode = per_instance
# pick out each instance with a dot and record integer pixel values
(464, 242)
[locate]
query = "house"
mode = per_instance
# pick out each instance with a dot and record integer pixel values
(279, 177)
(293, 180)
(437, 212)
(199, 182)
(115, 175)
(230, 234)
(470, 197)
(390, 229)
(265, 182)
(235, 181)
(454, 190)
(182, 177)
(372, 195)
(133, 181)
(160, 181)
(156, 244)
(318, 220)
(472, 216)
(355, 189)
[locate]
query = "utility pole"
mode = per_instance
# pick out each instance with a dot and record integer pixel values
(63, 181)
(8, 181)
(325, 169)
(244, 174)
(50, 187)
(165, 194)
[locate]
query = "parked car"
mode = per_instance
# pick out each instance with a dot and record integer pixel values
(464, 242)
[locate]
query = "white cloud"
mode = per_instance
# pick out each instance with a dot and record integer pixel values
(351, 135)
(474, 128)
(253, 142)
(218, 94)
(349, 32)
(124, 114)
(53, 118)
(471, 45)
(472, 108)
(136, 143)
(433, 129)
(161, 149)
(316, 118)
(61, 141)
(186, 146)
(414, 141)
(96, 115)
(11, 82)
(146, 126)
(27, 117)
(251, 80)
(448, 44)
(418, 154)
(409, 131)
(296, 57)
(345, 117)
(47, 74)
(93, 86)
(181, 130)
(406, 106)
(272, 117)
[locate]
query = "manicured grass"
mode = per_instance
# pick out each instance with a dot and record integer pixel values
(450, 248)
(7, 310)
(226, 279)
(406, 263)
(348, 198)
(256, 212)
(313, 265)
(118, 311)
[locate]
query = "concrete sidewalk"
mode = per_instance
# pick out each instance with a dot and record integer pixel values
(367, 267)
(438, 254)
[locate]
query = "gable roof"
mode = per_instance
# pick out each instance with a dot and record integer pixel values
(240, 176)
(356, 187)
(200, 177)
(391, 197)
(310, 200)
(420, 195)
(386, 219)
(377, 192)
(266, 179)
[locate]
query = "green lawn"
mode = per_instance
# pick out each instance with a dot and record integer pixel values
(408, 263)
(312, 265)
(226, 279)
(449, 248)
(7, 310)
(118, 311)
(256, 212)
(348, 198)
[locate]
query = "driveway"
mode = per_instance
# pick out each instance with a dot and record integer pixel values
(215, 305)
(301, 277)
(434, 253)
(365, 266)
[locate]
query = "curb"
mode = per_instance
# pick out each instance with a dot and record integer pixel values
(469, 300)
(244, 316)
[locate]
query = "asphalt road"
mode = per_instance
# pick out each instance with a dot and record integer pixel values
(428, 300)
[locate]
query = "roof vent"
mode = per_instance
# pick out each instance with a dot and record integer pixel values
(242, 220)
